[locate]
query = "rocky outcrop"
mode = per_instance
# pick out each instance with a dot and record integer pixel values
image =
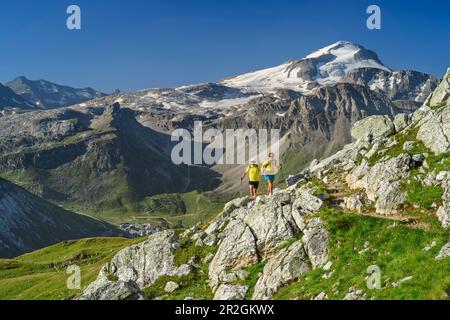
(238, 250)
(434, 126)
(382, 181)
(256, 229)
(441, 96)
(139, 266)
(288, 265)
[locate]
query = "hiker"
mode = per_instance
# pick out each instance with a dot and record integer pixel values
(254, 173)
(270, 169)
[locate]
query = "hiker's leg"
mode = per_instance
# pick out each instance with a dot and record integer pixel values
(251, 190)
(270, 187)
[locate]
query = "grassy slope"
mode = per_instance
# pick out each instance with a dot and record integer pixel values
(41, 275)
(396, 249)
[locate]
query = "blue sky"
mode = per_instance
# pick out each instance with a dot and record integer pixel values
(138, 44)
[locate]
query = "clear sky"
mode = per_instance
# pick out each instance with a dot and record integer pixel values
(137, 44)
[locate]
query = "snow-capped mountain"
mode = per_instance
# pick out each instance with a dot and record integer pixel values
(340, 62)
(48, 95)
(325, 66)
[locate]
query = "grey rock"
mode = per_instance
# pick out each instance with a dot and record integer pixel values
(355, 295)
(444, 253)
(408, 145)
(227, 292)
(171, 287)
(401, 281)
(321, 296)
(144, 263)
(237, 250)
(315, 239)
(381, 182)
(211, 240)
(305, 200)
(374, 126)
(283, 268)
(443, 215)
(354, 204)
(271, 226)
(104, 289)
(401, 121)
(139, 230)
(235, 204)
(441, 96)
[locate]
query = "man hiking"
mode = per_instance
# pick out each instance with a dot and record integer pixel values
(254, 173)
(270, 169)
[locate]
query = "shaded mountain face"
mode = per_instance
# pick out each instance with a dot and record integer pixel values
(9, 101)
(28, 223)
(48, 95)
(99, 158)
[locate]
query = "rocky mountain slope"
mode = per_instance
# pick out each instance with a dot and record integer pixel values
(28, 223)
(315, 101)
(95, 158)
(381, 203)
(48, 95)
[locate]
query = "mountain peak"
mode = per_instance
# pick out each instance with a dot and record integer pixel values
(325, 66)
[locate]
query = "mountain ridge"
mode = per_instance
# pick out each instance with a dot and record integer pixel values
(49, 95)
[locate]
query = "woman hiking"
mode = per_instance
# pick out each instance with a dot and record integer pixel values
(270, 169)
(254, 173)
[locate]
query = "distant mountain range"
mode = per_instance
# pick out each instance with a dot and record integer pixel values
(42, 94)
(10, 100)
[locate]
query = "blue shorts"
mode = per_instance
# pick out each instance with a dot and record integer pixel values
(270, 178)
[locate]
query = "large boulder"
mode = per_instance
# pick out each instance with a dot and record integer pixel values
(315, 239)
(441, 96)
(104, 289)
(285, 267)
(272, 224)
(434, 130)
(382, 181)
(374, 126)
(237, 250)
(137, 266)
(227, 292)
